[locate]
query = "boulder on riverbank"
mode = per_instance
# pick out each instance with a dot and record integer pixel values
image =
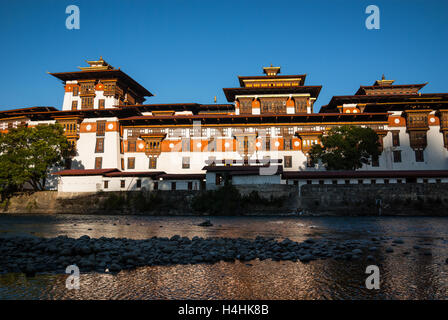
(31, 254)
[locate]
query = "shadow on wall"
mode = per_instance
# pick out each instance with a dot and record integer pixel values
(52, 180)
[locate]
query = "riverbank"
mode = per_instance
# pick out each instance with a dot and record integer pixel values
(406, 273)
(31, 255)
(406, 199)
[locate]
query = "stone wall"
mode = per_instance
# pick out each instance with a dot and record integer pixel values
(375, 199)
(353, 199)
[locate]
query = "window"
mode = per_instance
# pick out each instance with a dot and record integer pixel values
(122, 164)
(185, 162)
(87, 102)
(100, 128)
(173, 185)
(288, 161)
(375, 162)
(99, 148)
(101, 103)
(98, 162)
(152, 163)
(268, 143)
(139, 183)
(309, 162)
(74, 105)
(131, 163)
(397, 156)
(121, 146)
(419, 156)
(88, 88)
(395, 138)
(122, 183)
(132, 145)
(75, 90)
(106, 184)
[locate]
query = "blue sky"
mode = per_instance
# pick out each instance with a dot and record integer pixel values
(187, 51)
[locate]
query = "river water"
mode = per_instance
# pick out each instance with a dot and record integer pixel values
(402, 276)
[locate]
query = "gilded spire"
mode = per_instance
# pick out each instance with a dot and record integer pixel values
(97, 65)
(271, 71)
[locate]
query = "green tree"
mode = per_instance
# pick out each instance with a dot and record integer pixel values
(346, 148)
(28, 154)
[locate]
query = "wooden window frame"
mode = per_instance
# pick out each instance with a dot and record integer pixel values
(98, 162)
(101, 128)
(419, 155)
(131, 163)
(99, 146)
(152, 163)
(288, 161)
(185, 162)
(101, 104)
(396, 138)
(397, 156)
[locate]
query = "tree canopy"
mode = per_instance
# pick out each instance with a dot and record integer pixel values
(27, 155)
(346, 148)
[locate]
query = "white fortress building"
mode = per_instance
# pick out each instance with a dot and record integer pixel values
(262, 136)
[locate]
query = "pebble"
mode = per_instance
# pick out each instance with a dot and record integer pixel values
(31, 254)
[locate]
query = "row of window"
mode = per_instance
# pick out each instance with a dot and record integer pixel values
(419, 155)
(87, 103)
(185, 162)
(372, 181)
(212, 145)
(190, 185)
(287, 160)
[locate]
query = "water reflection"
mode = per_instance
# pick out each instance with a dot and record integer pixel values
(405, 274)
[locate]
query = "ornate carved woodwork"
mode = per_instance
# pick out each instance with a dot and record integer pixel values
(300, 104)
(273, 105)
(245, 105)
(71, 129)
(443, 116)
(308, 139)
(381, 134)
(153, 143)
(417, 125)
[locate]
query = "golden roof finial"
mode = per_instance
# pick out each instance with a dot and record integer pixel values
(383, 78)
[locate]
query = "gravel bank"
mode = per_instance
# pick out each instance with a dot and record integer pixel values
(31, 255)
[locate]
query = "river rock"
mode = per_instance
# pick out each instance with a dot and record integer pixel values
(206, 223)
